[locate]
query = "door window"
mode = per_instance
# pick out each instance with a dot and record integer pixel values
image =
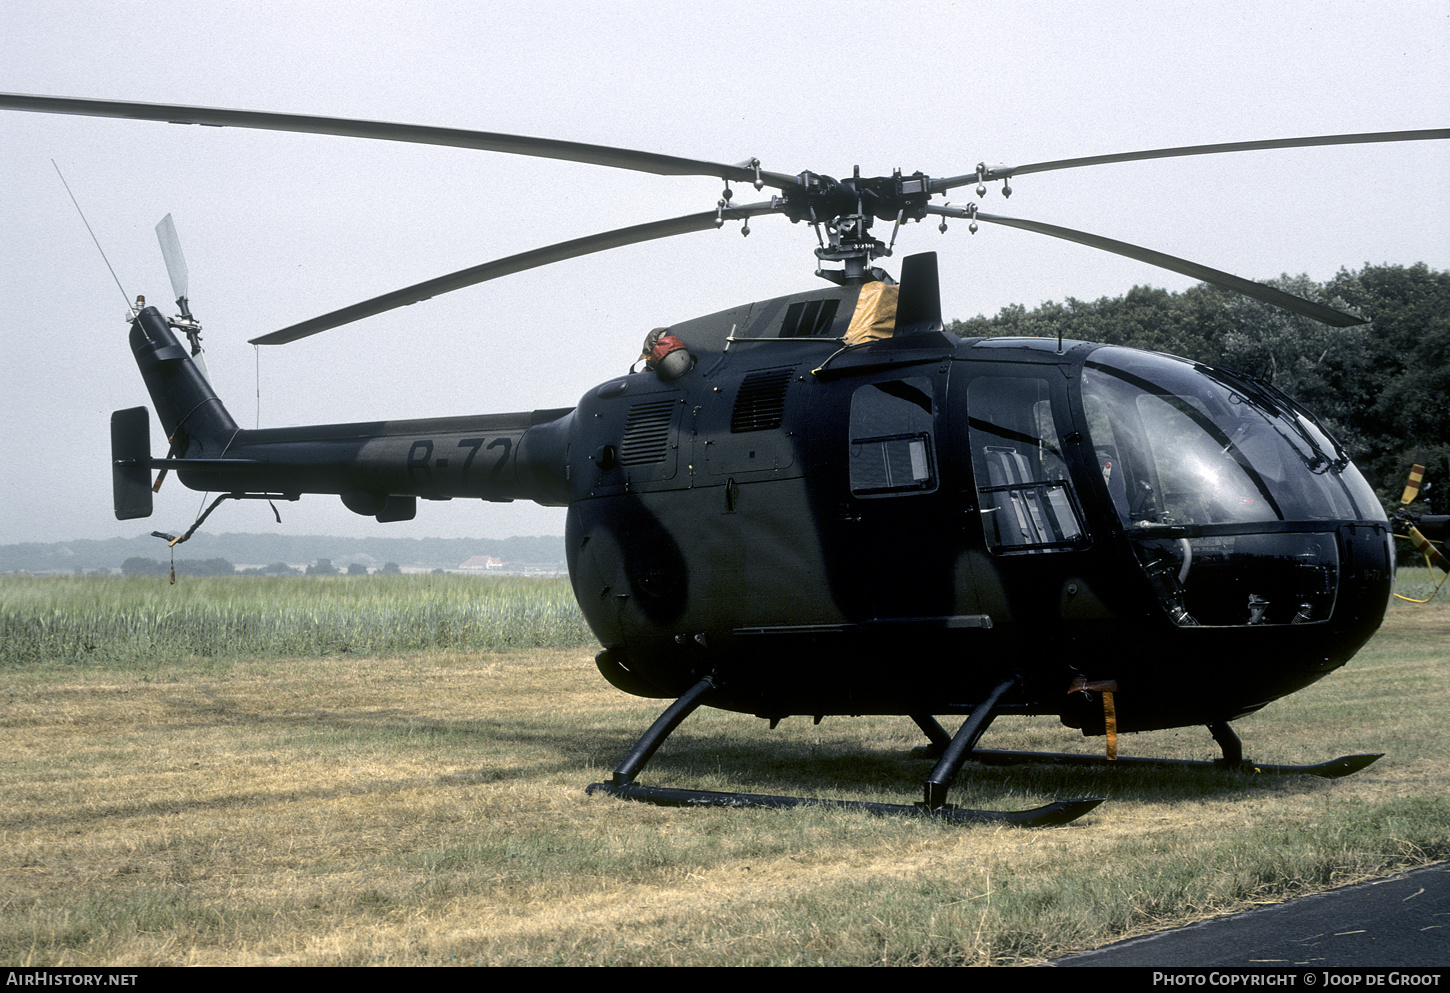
(1026, 501)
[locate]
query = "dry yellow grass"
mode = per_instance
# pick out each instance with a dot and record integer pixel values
(429, 809)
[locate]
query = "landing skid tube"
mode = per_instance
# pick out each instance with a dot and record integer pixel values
(1334, 768)
(623, 783)
(1233, 756)
(1061, 812)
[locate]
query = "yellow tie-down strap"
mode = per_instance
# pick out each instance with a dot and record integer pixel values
(1105, 687)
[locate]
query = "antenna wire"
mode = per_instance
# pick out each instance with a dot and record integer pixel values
(87, 223)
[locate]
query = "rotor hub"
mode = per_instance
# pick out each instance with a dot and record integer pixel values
(847, 208)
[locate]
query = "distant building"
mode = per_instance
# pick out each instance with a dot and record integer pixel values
(482, 563)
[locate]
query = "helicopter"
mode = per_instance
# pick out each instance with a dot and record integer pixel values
(824, 504)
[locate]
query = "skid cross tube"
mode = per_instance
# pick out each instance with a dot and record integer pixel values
(944, 773)
(661, 729)
(1233, 748)
(935, 733)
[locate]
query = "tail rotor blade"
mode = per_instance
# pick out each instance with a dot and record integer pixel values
(175, 261)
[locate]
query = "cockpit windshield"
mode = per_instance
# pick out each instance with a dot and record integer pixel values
(1182, 444)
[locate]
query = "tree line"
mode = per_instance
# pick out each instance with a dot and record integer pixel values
(138, 565)
(1380, 387)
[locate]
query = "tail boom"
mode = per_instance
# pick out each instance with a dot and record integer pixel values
(379, 468)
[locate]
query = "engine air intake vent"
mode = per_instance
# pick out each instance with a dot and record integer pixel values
(760, 403)
(647, 432)
(808, 318)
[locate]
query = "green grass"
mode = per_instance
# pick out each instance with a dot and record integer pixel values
(427, 807)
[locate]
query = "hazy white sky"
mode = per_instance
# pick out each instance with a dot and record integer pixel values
(279, 227)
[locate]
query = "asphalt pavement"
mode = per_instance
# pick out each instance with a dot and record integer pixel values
(1397, 922)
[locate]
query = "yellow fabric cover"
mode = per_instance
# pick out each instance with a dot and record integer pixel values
(875, 315)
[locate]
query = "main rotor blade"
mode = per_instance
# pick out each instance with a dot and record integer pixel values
(507, 266)
(512, 144)
(1002, 172)
(1259, 291)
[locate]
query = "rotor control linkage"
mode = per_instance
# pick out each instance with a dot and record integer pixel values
(623, 784)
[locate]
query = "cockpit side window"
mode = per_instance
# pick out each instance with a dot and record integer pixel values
(891, 451)
(1026, 501)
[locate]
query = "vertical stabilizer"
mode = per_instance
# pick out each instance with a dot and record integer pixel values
(131, 463)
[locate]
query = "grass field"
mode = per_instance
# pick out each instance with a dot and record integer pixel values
(347, 801)
(142, 621)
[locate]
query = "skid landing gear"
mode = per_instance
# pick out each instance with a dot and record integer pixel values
(623, 784)
(1228, 741)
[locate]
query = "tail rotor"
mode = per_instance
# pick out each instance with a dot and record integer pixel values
(1411, 525)
(176, 269)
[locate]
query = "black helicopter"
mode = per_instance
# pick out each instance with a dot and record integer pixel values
(823, 504)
